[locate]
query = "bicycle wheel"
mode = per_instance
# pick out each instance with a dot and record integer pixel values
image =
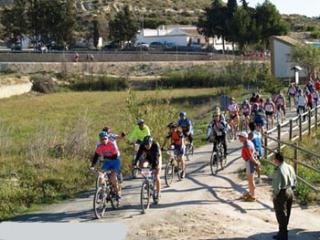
(145, 196)
(169, 173)
(214, 163)
(135, 173)
(114, 200)
(100, 203)
(189, 151)
(220, 156)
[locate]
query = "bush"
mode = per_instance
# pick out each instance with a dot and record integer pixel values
(44, 84)
(102, 83)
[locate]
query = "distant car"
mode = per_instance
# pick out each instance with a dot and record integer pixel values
(170, 45)
(16, 47)
(156, 45)
(196, 47)
(109, 46)
(142, 45)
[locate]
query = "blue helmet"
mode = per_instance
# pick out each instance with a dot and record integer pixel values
(183, 114)
(103, 134)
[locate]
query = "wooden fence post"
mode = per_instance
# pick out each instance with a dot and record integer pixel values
(295, 163)
(266, 146)
(316, 117)
(290, 129)
(309, 122)
(279, 137)
(300, 127)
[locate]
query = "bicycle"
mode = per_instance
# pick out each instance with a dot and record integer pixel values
(189, 151)
(148, 190)
(217, 157)
(230, 133)
(135, 172)
(172, 167)
(104, 194)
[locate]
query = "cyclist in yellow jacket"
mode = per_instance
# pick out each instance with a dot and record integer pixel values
(139, 132)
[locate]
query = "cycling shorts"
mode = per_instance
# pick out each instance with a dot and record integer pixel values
(179, 150)
(154, 165)
(259, 122)
(246, 114)
(114, 165)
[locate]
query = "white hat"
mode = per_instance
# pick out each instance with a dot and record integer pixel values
(243, 134)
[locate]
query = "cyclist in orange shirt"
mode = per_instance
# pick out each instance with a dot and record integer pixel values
(177, 141)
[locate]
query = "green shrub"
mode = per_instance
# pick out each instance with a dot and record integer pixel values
(102, 83)
(252, 76)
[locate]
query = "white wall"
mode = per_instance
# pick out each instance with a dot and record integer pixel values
(282, 60)
(178, 40)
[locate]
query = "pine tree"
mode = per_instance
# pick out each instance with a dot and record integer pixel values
(123, 27)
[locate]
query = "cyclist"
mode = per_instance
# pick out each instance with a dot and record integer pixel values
(246, 112)
(315, 96)
(253, 98)
(309, 99)
(150, 151)
(292, 92)
(110, 153)
(280, 103)
(177, 140)
(258, 116)
(139, 132)
(301, 102)
(186, 126)
(217, 129)
(310, 85)
(270, 109)
(233, 110)
(112, 136)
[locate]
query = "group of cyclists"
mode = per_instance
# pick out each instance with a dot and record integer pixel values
(252, 116)
(148, 151)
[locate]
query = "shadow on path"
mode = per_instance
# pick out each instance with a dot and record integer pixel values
(295, 234)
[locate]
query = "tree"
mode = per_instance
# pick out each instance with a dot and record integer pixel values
(52, 21)
(232, 7)
(14, 22)
(308, 57)
(123, 27)
(244, 27)
(213, 22)
(96, 33)
(269, 22)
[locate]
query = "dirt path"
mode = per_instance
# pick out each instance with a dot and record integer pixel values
(200, 207)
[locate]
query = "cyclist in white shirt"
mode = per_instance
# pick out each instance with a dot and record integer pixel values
(301, 102)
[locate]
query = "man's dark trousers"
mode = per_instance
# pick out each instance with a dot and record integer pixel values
(282, 206)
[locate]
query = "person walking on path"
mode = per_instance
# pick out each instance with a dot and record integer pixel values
(283, 183)
(248, 155)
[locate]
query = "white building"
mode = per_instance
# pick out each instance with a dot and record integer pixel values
(281, 57)
(179, 35)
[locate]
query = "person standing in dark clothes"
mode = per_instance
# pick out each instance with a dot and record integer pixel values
(283, 182)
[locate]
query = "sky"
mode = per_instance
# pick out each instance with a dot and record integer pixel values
(310, 8)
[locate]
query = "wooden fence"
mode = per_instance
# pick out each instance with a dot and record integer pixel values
(288, 134)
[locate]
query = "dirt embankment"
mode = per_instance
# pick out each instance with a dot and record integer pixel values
(14, 85)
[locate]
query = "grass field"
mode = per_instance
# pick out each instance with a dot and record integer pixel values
(33, 171)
